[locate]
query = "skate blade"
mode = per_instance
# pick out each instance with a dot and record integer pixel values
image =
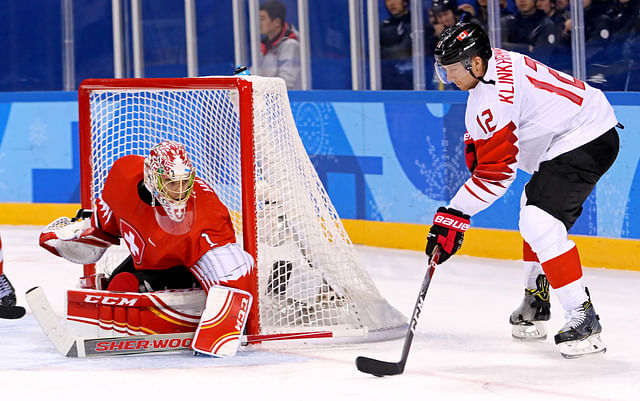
(529, 331)
(589, 346)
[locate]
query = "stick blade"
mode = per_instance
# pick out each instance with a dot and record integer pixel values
(378, 368)
(46, 317)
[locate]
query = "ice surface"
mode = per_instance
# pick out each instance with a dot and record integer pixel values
(463, 349)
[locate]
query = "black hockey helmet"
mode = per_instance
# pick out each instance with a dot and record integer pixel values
(460, 42)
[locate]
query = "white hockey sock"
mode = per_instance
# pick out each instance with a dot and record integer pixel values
(571, 295)
(531, 272)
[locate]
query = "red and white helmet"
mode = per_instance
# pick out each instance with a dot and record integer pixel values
(169, 176)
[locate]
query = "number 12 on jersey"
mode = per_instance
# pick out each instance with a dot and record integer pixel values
(566, 93)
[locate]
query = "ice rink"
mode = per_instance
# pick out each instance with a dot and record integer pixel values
(463, 348)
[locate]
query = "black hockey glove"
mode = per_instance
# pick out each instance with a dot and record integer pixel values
(447, 231)
(470, 156)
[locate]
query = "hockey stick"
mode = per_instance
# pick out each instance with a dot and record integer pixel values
(79, 347)
(382, 368)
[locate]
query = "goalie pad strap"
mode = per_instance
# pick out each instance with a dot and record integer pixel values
(222, 322)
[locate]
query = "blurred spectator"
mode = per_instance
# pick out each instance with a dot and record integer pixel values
(624, 15)
(549, 8)
(529, 31)
(622, 51)
(396, 47)
(280, 45)
(629, 61)
(598, 31)
(446, 13)
(483, 12)
(562, 9)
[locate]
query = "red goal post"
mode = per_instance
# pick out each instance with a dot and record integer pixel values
(242, 138)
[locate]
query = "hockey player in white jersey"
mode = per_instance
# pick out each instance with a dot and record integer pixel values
(524, 115)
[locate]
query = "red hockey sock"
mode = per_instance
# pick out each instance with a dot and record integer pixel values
(124, 282)
(527, 253)
(563, 269)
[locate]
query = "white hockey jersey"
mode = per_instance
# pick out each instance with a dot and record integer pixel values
(532, 114)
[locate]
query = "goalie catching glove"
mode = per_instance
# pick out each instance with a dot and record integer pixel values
(76, 239)
(447, 231)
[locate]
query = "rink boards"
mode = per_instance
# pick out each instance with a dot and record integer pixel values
(387, 159)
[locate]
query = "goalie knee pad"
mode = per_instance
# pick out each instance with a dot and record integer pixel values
(222, 322)
(222, 265)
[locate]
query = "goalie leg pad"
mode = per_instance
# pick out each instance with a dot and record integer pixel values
(222, 322)
(94, 313)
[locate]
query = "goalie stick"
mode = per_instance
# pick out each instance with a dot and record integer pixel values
(383, 368)
(79, 347)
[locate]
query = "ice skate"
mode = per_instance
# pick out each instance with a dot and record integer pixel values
(8, 307)
(581, 333)
(7, 292)
(528, 321)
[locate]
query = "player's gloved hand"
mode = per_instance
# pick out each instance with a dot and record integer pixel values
(470, 156)
(447, 231)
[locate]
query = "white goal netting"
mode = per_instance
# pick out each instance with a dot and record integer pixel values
(309, 275)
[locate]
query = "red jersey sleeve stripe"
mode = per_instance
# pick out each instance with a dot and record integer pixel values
(481, 184)
(473, 193)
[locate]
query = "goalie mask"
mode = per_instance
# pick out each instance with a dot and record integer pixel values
(169, 177)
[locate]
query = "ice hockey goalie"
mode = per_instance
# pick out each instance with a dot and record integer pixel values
(185, 271)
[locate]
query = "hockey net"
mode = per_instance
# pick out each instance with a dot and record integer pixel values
(244, 143)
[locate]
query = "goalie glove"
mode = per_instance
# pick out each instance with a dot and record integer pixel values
(76, 239)
(447, 231)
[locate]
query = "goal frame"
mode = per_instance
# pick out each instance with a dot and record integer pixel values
(247, 159)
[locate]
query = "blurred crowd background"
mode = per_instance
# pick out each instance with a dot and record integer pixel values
(53, 45)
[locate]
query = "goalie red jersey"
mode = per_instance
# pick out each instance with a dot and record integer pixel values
(155, 241)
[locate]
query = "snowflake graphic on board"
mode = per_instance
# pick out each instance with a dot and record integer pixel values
(38, 132)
